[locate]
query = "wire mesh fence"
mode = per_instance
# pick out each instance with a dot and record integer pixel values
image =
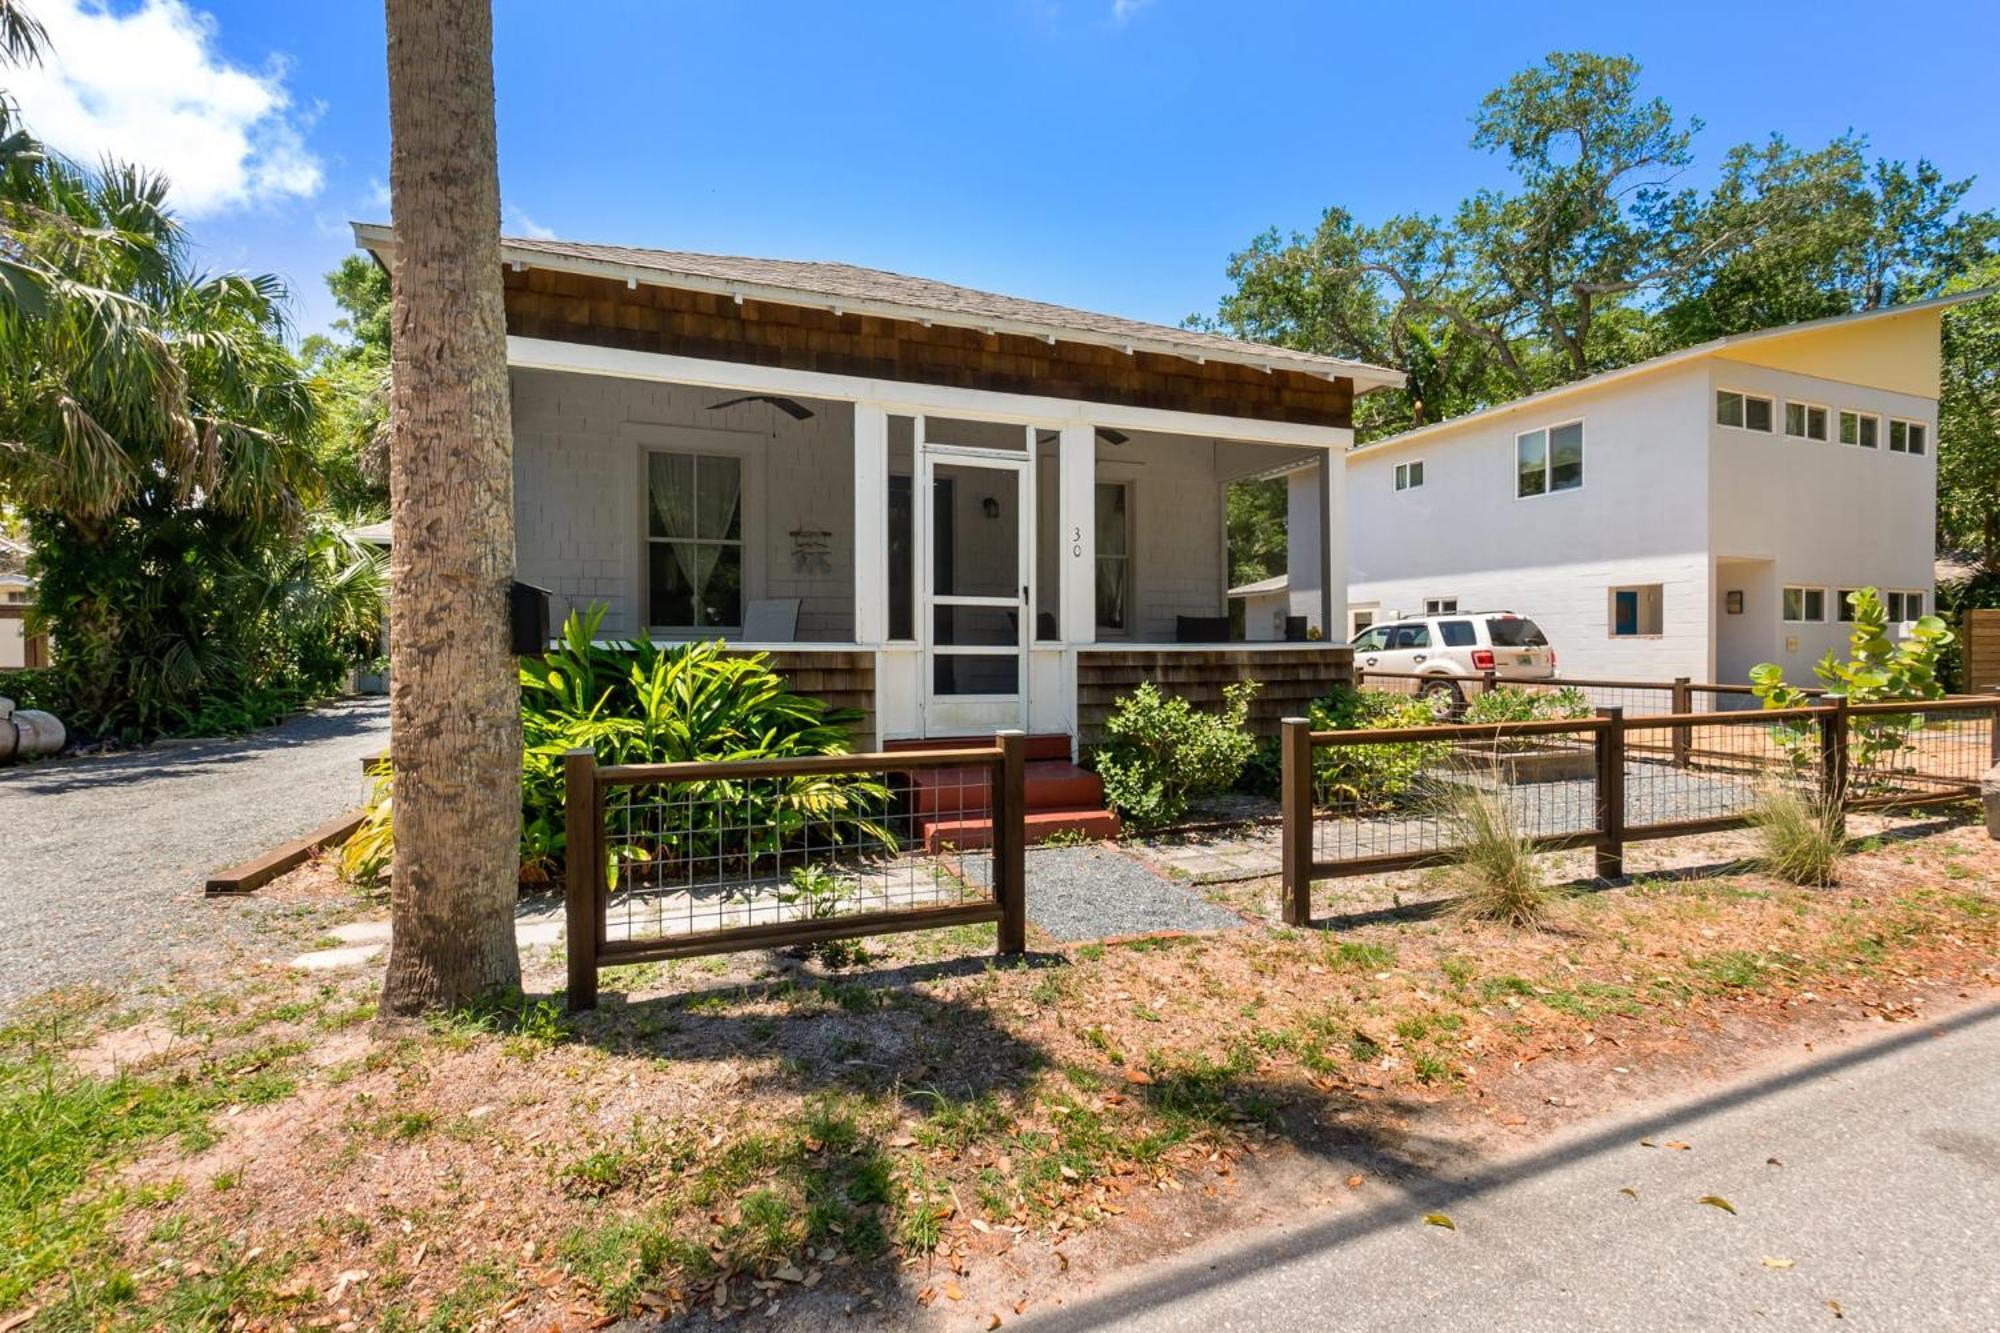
(671, 860)
(1904, 754)
(1366, 801)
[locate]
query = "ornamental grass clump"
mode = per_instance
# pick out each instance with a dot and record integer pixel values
(1799, 834)
(1496, 875)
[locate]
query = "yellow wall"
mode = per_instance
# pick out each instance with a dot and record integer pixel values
(1894, 352)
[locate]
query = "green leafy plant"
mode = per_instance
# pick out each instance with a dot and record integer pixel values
(1799, 833)
(1513, 703)
(1163, 752)
(365, 856)
(1879, 670)
(1373, 777)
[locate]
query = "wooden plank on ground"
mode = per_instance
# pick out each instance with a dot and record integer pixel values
(257, 872)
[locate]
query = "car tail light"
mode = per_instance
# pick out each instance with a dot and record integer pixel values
(1552, 659)
(1482, 659)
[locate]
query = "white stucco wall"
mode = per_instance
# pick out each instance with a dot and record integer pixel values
(579, 492)
(1821, 513)
(1640, 518)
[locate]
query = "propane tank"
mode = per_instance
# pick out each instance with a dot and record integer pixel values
(28, 733)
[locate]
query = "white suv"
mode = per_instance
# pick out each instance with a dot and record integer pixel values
(1511, 646)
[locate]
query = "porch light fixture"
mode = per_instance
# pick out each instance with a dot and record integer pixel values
(991, 506)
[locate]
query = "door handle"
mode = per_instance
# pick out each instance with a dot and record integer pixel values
(1418, 658)
(1369, 662)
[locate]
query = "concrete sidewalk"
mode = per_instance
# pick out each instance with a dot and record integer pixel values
(1866, 1186)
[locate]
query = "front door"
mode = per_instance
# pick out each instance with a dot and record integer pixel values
(977, 530)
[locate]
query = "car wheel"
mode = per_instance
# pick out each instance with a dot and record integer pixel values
(1447, 704)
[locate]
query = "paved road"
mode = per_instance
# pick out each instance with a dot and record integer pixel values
(102, 859)
(1887, 1202)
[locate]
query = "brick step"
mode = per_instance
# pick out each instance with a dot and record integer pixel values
(1038, 826)
(1053, 745)
(1052, 784)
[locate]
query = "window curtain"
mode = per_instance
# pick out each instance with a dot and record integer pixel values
(694, 505)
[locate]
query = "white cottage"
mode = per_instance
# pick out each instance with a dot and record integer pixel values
(955, 510)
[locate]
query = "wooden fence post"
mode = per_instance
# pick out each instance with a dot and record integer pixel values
(1296, 802)
(1489, 680)
(1683, 735)
(1993, 732)
(583, 859)
(1010, 841)
(1611, 794)
(1834, 759)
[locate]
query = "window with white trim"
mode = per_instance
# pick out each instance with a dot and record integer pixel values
(1409, 476)
(1908, 437)
(1904, 604)
(1744, 411)
(1440, 606)
(1805, 421)
(1804, 605)
(1637, 612)
(1863, 429)
(1548, 460)
(694, 541)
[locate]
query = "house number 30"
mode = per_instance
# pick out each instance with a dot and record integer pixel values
(1076, 542)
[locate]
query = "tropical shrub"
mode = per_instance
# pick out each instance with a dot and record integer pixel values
(1373, 776)
(1880, 669)
(642, 703)
(1163, 752)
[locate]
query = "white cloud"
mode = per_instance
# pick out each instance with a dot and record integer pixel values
(1121, 10)
(148, 85)
(522, 225)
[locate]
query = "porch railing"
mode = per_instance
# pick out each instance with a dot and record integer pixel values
(1371, 801)
(670, 861)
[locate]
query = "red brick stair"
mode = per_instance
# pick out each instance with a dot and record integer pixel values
(953, 806)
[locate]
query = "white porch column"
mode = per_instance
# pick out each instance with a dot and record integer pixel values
(1076, 512)
(1333, 544)
(871, 523)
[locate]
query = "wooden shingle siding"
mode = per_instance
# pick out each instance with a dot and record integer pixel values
(572, 307)
(1982, 651)
(1291, 680)
(844, 680)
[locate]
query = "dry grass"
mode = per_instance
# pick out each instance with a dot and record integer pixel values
(1800, 834)
(1497, 876)
(753, 1130)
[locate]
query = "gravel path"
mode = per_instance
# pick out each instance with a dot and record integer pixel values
(102, 858)
(1093, 893)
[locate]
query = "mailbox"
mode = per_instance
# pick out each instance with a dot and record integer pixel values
(528, 615)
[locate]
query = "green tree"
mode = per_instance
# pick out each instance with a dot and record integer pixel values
(351, 376)
(1969, 427)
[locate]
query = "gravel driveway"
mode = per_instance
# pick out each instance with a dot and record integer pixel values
(102, 859)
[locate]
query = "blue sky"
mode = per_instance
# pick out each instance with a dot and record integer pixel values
(1108, 154)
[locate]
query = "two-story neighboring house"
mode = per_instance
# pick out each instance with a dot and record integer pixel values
(1692, 515)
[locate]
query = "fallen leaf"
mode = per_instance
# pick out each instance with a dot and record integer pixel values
(1354, 1182)
(1717, 1201)
(1769, 1262)
(1678, 1146)
(1440, 1220)
(1647, 1143)
(1838, 1313)
(1137, 1076)
(1629, 1192)
(952, 1292)
(992, 1320)
(1772, 1161)
(789, 1273)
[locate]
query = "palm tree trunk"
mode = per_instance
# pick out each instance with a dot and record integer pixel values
(455, 718)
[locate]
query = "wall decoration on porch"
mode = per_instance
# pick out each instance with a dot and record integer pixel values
(812, 551)
(1734, 602)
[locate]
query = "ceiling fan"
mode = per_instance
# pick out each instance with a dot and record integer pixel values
(1114, 438)
(791, 407)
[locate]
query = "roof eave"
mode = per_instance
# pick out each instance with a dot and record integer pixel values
(380, 241)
